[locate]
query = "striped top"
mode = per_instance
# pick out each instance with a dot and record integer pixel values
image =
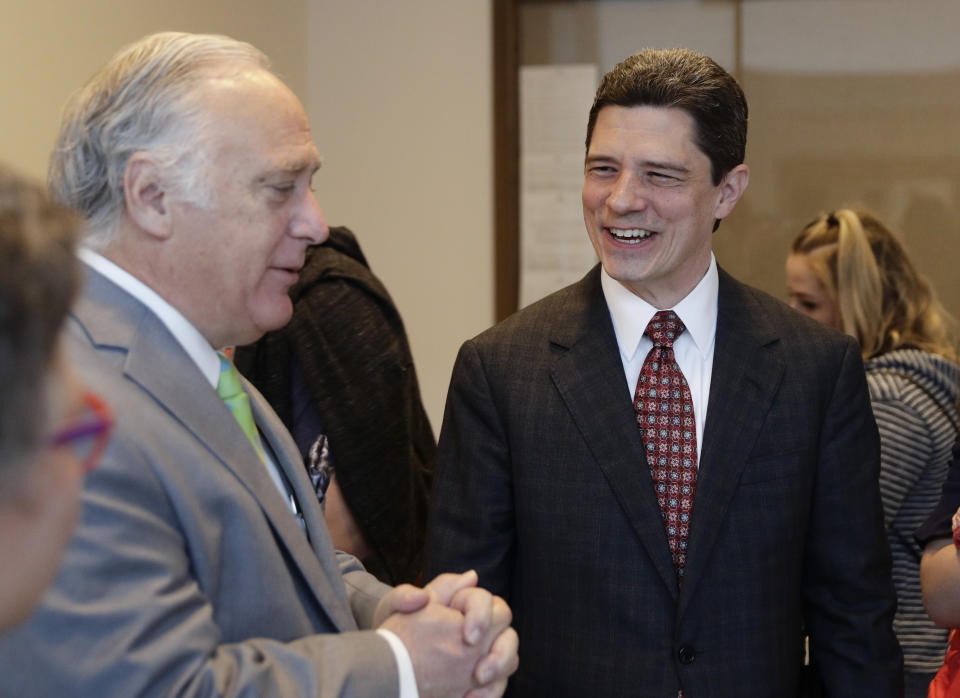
(914, 396)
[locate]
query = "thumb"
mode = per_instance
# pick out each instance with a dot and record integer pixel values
(402, 599)
(445, 586)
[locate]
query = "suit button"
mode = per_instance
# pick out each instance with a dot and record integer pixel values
(686, 654)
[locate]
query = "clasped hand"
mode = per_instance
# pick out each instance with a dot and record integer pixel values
(458, 636)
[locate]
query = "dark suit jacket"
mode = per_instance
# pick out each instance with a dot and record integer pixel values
(543, 487)
(188, 574)
(348, 341)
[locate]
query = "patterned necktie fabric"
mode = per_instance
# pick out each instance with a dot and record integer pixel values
(664, 409)
(231, 391)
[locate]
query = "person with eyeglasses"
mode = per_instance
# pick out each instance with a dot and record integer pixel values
(52, 430)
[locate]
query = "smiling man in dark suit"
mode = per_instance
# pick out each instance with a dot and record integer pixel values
(669, 474)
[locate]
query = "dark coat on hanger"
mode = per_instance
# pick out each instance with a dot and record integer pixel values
(354, 361)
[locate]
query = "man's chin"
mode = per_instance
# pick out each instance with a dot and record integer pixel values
(274, 317)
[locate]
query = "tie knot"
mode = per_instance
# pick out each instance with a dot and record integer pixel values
(228, 386)
(664, 328)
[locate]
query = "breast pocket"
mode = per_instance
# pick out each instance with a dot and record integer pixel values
(772, 501)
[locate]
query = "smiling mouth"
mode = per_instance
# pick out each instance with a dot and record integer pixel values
(630, 236)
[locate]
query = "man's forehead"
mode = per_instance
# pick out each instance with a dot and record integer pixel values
(253, 97)
(663, 133)
(645, 117)
(255, 117)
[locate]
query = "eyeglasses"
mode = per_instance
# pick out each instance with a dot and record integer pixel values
(88, 438)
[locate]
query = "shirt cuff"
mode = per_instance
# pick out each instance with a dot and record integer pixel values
(408, 681)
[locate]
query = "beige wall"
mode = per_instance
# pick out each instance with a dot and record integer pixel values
(48, 48)
(399, 97)
(399, 100)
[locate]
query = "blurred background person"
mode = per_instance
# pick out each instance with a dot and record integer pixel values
(51, 430)
(847, 270)
(341, 377)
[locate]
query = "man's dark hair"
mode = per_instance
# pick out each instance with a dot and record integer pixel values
(682, 79)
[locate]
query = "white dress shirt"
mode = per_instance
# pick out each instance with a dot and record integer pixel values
(693, 349)
(208, 361)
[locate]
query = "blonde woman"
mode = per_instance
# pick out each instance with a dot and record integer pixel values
(847, 270)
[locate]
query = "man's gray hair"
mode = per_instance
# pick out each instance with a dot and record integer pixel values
(145, 98)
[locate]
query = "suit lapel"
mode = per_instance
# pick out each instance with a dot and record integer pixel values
(747, 371)
(589, 377)
(323, 554)
(114, 319)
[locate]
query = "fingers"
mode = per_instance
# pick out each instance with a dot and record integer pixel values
(485, 615)
(493, 690)
(502, 615)
(402, 599)
(444, 586)
(501, 661)
(409, 599)
(476, 605)
(467, 645)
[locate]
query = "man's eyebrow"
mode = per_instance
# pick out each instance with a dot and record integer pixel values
(312, 164)
(593, 159)
(600, 158)
(293, 168)
(671, 166)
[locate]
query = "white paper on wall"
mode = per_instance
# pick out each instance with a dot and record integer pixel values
(554, 247)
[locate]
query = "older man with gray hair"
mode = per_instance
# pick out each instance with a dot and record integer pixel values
(202, 565)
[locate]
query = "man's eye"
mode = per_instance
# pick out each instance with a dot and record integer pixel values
(284, 188)
(662, 178)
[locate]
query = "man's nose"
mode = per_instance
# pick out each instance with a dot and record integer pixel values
(627, 194)
(310, 224)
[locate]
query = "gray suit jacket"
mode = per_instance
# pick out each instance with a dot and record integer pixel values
(189, 575)
(542, 486)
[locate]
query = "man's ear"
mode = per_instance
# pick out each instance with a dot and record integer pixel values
(145, 195)
(731, 189)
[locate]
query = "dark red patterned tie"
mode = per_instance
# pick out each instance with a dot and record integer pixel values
(665, 415)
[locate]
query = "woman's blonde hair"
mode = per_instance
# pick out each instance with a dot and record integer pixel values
(883, 302)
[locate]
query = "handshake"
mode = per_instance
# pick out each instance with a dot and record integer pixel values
(458, 636)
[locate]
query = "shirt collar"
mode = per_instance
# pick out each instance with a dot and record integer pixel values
(189, 337)
(631, 314)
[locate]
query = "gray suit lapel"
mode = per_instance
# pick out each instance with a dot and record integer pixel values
(113, 318)
(289, 460)
(589, 377)
(747, 371)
